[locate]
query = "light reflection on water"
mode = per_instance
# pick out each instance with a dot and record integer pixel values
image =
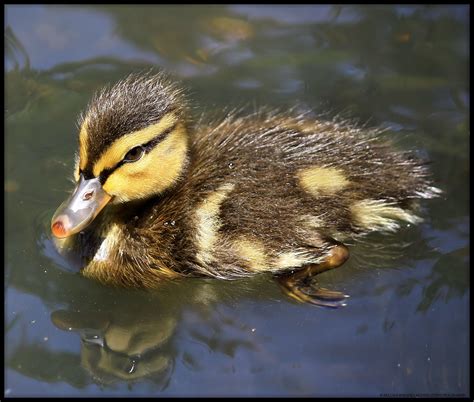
(405, 329)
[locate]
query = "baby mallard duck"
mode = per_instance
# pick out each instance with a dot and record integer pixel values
(266, 192)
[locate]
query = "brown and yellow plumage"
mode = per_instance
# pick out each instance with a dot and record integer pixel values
(265, 192)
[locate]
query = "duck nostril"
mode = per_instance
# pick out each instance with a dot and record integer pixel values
(88, 195)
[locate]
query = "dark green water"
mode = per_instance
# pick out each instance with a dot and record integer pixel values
(406, 327)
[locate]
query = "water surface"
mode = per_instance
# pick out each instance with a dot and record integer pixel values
(405, 329)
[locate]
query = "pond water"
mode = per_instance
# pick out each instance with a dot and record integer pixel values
(405, 329)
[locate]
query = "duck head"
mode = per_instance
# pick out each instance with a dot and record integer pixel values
(133, 144)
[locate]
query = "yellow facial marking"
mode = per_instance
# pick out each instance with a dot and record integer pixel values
(154, 172)
(380, 215)
(208, 222)
(76, 167)
(319, 180)
(252, 253)
(83, 144)
(119, 148)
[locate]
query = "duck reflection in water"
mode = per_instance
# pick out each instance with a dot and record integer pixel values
(133, 335)
(114, 348)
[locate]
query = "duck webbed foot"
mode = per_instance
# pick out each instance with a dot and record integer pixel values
(299, 284)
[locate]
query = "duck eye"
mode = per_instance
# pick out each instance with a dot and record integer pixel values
(134, 154)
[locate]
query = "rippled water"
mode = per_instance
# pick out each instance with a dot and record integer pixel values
(405, 329)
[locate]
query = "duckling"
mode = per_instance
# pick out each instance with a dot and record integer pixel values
(158, 197)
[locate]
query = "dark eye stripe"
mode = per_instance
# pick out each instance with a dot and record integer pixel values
(155, 141)
(86, 173)
(104, 175)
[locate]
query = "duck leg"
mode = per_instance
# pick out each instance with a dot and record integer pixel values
(298, 284)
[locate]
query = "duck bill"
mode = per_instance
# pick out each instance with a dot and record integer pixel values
(80, 209)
